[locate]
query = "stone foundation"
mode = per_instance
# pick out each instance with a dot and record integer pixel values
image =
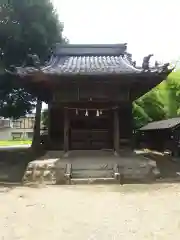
(48, 171)
(83, 166)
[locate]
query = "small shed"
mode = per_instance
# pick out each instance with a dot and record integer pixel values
(161, 135)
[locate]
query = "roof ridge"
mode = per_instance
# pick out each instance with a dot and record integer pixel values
(90, 49)
(112, 45)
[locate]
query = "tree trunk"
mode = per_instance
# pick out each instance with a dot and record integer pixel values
(37, 126)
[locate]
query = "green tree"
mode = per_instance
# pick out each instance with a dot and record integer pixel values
(160, 103)
(28, 26)
(148, 108)
(45, 118)
(172, 93)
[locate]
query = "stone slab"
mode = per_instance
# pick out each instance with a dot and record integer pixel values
(48, 171)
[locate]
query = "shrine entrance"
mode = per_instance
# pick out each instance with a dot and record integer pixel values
(81, 128)
(90, 129)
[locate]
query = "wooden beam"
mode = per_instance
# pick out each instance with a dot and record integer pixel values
(129, 123)
(66, 130)
(88, 105)
(116, 131)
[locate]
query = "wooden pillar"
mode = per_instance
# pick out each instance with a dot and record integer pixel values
(116, 131)
(131, 125)
(66, 130)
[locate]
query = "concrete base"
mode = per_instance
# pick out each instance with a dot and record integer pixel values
(90, 167)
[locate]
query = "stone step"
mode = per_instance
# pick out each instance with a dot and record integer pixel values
(98, 170)
(94, 181)
(88, 169)
(92, 173)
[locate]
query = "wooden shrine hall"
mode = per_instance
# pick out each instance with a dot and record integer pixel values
(89, 90)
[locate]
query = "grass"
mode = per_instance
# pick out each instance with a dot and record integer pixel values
(14, 142)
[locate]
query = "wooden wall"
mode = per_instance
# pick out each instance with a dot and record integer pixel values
(94, 91)
(56, 127)
(90, 132)
(125, 123)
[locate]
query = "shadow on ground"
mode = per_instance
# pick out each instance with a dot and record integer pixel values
(13, 163)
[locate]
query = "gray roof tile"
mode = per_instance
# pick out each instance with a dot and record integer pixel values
(90, 65)
(164, 124)
(86, 60)
(75, 59)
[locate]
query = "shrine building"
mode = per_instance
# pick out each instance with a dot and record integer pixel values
(89, 90)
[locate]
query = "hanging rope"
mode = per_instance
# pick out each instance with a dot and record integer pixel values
(91, 109)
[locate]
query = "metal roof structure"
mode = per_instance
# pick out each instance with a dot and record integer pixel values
(164, 124)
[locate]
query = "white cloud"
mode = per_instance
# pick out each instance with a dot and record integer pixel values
(148, 26)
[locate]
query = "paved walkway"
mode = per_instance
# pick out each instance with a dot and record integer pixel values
(14, 147)
(131, 212)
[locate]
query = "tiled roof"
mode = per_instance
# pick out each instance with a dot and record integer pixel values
(164, 124)
(87, 60)
(90, 65)
(101, 59)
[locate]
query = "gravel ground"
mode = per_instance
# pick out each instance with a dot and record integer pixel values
(91, 212)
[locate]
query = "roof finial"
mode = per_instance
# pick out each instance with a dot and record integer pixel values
(134, 63)
(165, 67)
(33, 60)
(156, 64)
(145, 64)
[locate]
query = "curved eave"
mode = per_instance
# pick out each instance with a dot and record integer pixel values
(43, 84)
(46, 75)
(88, 66)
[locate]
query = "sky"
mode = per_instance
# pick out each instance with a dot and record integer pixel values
(147, 26)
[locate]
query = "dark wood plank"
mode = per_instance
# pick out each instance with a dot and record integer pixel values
(66, 130)
(116, 131)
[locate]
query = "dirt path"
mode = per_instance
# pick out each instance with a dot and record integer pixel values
(91, 212)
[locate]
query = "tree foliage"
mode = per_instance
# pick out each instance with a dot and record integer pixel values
(45, 118)
(160, 103)
(28, 26)
(14, 102)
